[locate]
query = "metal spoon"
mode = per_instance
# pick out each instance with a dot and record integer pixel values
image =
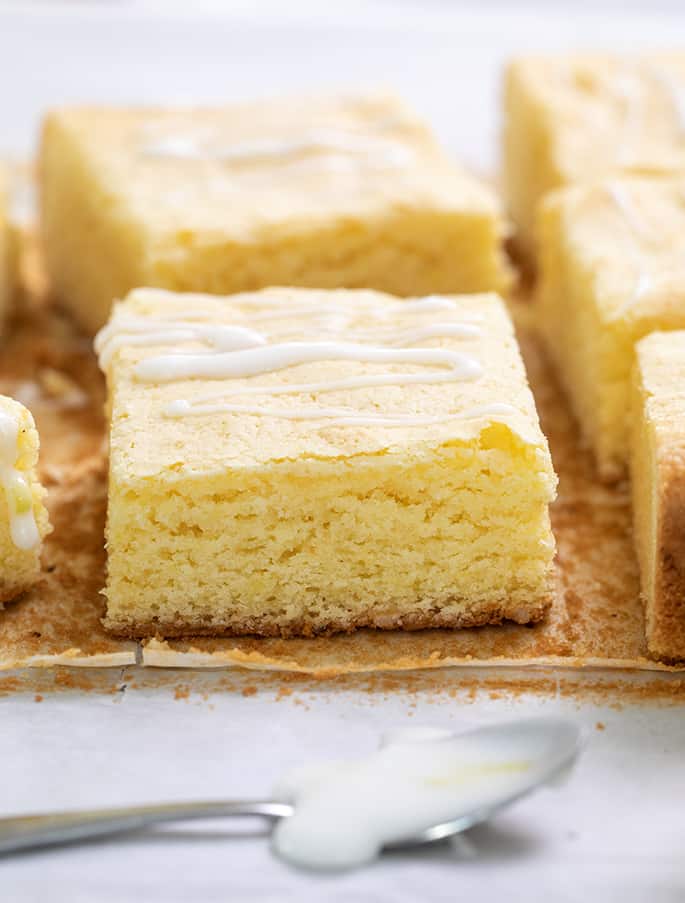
(27, 832)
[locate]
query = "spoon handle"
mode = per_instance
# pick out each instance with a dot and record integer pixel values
(25, 832)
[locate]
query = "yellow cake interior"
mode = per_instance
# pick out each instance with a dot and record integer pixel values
(657, 467)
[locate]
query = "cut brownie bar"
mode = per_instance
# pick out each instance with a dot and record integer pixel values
(299, 461)
(338, 192)
(582, 118)
(612, 259)
(658, 480)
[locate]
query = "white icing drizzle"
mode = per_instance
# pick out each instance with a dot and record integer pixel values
(368, 148)
(332, 385)
(621, 199)
(130, 330)
(236, 352)
(345, 812)
(137, 331)
(23, 202)
(644, 285)
(646, 282)
(643, 281)
(23, 527)
(271, 358)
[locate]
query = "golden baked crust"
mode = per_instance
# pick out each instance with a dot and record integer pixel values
(658, 484)
(12, 589)
(489, 614)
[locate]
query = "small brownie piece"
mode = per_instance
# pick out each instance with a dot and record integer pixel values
(329, 193)
(293, 462)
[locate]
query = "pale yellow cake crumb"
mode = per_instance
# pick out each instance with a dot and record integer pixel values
(19, 567)
(658, 483)
(612, 262)
(340, 192)
(249, 522)
(584, 117)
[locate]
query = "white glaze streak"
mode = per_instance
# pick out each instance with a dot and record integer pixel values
(646, 282)
(237, 352)
(129, 331)
(23, 527)
(271, 358)
(643, 282)
(137, 331)
(621, 199)
(367, 148)
(333, 385)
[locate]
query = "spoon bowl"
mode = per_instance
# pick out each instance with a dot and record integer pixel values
(547, 747)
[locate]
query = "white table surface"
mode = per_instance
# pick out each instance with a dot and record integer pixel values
(617, 830)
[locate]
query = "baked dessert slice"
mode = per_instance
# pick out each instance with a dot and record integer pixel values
(581, 118)
(292, 462)
(23, 517)
(612, 269)
(332, 193)
(658, 486)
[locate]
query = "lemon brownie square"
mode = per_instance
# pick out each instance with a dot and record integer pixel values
(582, 118)
(23, 517)
(331, 193)
(658, 485)
(612, 270)
(293, 462)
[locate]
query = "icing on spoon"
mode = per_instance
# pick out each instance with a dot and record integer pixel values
(420, 782)
(422, 785)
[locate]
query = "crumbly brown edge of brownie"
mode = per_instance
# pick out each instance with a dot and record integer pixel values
(302, 627)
